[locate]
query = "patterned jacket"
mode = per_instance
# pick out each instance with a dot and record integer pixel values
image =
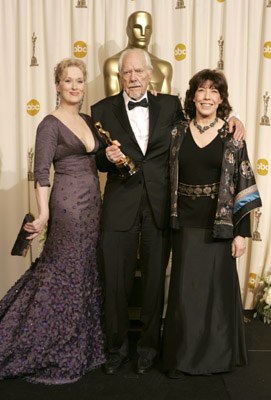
(238, 192)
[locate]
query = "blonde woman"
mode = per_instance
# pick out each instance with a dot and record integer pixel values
(50, 324)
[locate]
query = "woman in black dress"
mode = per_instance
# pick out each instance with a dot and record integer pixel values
(213, 193)
(50, 320)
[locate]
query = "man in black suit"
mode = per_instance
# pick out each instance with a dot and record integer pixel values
(137, 207)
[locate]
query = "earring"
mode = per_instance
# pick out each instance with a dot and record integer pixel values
(81, 103)
(57, 100)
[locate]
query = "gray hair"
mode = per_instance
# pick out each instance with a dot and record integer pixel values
(128, 51)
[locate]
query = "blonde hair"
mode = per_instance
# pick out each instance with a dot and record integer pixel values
(66, 63)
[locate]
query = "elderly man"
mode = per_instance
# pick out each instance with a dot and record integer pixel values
(139, 206)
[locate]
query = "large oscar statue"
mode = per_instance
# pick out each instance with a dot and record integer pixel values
(139, 30)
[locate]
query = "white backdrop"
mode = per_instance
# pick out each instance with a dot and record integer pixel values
(186, 37)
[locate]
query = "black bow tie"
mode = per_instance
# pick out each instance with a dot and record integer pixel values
(142, 103)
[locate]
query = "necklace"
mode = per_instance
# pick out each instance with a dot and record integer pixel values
(202, 129)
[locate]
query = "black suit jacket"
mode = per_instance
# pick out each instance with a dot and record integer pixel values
(122, 196)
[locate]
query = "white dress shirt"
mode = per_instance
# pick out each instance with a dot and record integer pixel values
(139, 120)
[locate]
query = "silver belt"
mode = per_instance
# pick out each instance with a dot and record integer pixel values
(194, 191)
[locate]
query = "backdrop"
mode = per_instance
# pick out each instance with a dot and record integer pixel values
(190, 34)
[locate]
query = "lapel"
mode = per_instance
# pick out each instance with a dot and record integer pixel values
(154, 111)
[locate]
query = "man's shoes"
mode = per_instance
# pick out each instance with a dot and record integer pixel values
(114, 364)
(175, 374)
(144, 365)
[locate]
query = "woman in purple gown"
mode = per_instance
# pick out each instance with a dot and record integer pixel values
(50, 320)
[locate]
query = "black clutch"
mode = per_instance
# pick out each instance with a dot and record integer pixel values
(22, 244)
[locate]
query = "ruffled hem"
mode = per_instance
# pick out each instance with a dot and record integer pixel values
(48, 381)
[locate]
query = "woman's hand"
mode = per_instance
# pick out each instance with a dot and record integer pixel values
(36, 227)
(238, 246)
(113, 152)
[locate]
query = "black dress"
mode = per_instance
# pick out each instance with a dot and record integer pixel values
(203, 330)
(50, 320)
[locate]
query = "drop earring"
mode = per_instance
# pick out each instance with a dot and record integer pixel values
(81, 102)
(57, 100)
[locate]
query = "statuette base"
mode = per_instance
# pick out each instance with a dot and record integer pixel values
(265, 121)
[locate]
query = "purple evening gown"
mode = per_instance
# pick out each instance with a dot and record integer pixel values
(50, 320)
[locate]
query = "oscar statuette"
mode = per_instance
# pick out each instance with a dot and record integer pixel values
(30, 175)
(125, 166)
(256, 234)
(220, 63)
(34, 62)
(180, 4)
(265, 118)
(81, 4)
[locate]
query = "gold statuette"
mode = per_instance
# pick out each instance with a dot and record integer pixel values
(81, 4)
(256, 234)
(265, 118)
(125, 166)
(220, 63)
(30, 174)
(180, 4)
(34, 62)
(139, 31)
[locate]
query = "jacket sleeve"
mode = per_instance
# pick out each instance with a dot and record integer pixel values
(179, 115)
(247, 197)
(243, 227)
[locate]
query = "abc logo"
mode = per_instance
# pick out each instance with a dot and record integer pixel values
(80, 49)
(267, 50)
(33, 107)
(180, 52)
(262, 166)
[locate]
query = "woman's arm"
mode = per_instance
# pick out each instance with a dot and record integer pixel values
(36, 227)
(241, 231)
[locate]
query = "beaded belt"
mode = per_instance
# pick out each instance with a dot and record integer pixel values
(194, 191)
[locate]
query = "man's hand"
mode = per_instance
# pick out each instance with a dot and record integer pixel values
(154, 92)
(240, 133)
(113, 152)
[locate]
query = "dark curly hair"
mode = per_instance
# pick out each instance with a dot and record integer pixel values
(219, 82)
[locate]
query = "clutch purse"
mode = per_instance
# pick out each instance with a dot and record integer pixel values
(22, 244)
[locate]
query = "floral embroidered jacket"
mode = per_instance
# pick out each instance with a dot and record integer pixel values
(238, 192)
